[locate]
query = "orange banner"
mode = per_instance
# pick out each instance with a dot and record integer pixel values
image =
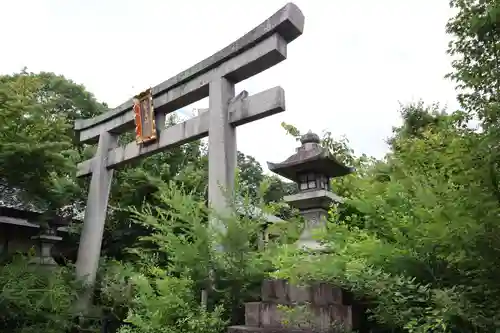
(145, 125)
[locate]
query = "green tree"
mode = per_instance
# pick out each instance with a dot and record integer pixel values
(475, 48)
(37, 151)
(250, 173)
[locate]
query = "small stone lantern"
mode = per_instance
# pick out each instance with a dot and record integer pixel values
(311, 167)
(46, 240)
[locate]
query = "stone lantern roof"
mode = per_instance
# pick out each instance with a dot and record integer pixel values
(309, 157)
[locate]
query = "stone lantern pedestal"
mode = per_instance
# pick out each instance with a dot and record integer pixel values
(313, 206)
(321, 307)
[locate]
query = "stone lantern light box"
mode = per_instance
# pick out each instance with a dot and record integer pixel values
(311, 167)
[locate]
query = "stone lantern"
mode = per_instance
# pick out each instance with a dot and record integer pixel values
(312, 168)
(46, 240)
(328, 307)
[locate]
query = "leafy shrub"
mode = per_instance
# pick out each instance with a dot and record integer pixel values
(163, 303)
(36, 299)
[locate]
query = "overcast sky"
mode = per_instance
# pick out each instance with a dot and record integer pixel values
(347, 73)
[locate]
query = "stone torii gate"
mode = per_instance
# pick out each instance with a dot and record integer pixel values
(215, 77)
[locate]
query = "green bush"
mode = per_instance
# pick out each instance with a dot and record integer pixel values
(36, 299)
(163, 303)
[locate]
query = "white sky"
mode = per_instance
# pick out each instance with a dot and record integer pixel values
(347, 73)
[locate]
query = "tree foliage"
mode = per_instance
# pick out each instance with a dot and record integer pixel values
(475, 48)
(34, 300)
(37, 151)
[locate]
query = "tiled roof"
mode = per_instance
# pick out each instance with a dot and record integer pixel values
(253, 211)
(13, 198)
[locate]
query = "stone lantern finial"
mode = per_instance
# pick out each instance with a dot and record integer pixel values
(310, 137)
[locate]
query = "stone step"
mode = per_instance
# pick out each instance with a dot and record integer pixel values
(250, 329)
(262, 314)
(318, 294)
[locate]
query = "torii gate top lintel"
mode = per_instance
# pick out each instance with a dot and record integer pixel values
(288, 23)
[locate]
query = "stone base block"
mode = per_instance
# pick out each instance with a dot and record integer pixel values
(252, 314)
(249, 329)
(275, 291)
(318, 294)
(324, 318)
